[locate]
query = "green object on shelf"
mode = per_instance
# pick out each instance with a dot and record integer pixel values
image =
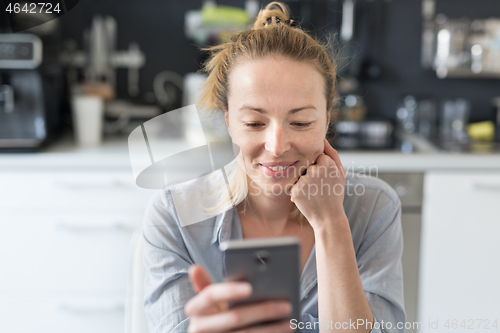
(224, 15)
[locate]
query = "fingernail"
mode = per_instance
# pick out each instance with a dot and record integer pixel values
(285, 308)
(245, 288)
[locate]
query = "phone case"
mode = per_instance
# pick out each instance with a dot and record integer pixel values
(271, 265)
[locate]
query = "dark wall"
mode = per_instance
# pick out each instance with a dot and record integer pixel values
(388, 35)
(158, 27)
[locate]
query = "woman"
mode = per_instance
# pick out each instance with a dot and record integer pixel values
(276, 86)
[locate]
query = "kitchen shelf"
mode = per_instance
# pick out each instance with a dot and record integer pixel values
(465, 73)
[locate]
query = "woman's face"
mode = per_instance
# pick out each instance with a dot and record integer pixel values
(277, 116)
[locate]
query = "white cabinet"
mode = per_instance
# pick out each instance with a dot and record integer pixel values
(460, 261)
(70, 190)
(64, 247)
(64, 253)
(61, 314)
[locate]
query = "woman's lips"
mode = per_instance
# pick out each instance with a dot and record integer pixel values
(277, 174)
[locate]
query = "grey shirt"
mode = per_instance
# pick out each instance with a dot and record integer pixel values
(374, 213)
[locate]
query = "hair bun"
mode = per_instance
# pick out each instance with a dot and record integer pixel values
(274, 13)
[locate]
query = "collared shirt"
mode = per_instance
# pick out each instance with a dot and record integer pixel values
(374, 213)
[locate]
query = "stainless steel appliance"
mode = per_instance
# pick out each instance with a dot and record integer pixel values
(409, 187)
(22, 104)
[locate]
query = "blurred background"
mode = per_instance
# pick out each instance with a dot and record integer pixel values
(418, 104)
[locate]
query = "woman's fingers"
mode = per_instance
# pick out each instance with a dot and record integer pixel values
(241, 316)
(281, 326)
(199, 278)
(211, 296)
(334, 156)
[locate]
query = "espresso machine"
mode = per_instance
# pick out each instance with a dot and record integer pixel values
(25, 121)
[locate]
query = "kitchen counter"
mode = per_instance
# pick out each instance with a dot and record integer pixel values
(113, 153)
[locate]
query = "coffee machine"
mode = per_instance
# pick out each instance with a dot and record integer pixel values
(25, 121)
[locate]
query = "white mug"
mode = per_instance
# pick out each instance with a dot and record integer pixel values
(87, 111)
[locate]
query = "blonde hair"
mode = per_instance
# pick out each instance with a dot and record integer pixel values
(272, 35)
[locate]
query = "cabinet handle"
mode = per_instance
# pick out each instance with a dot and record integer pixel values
(75, 185)
(91, 307)
(486, 187)
(105, 226)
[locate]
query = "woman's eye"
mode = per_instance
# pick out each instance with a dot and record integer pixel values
(302, 124)
(254, 125)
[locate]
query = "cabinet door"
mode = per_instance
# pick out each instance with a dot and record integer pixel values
(460, 247)
(62, 314)
(70, 190)
(66, 253)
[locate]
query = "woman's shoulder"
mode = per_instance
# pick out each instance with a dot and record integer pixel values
(160, 205)
(165, 207)
(372, 208)
(158, 216)
(369, 188)
(162, 216)
(369, 201)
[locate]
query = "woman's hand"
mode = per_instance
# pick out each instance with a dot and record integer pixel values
(209, 311)
(319, 194)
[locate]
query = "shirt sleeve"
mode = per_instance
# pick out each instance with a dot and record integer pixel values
(379, 264)
(166, 284)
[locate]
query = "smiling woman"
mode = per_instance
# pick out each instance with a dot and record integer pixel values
(276, 87)
(279, 122)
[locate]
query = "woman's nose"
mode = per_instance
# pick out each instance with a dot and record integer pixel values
(277, 141)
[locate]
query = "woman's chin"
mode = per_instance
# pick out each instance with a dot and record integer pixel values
(268, 186)
(278, 187)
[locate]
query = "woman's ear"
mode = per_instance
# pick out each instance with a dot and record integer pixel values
(226, 118)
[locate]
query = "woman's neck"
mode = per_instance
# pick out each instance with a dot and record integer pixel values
(268, 211)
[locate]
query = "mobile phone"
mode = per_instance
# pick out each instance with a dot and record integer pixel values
(270, 265)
